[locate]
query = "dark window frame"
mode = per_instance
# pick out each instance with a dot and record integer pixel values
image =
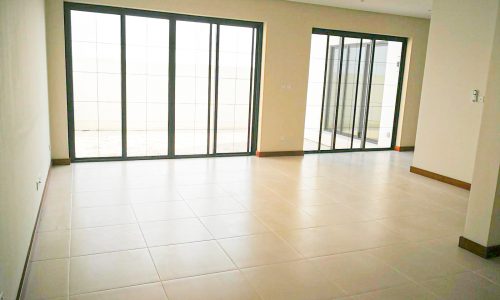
(254, 97)
(373, 38)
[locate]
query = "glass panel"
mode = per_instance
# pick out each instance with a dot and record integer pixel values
(96, 60)
(364, 73)
(147, 86)
(235, 85)
(383, 94)
(331, 91)
(315, 92)
(191, 87)
(348, 93)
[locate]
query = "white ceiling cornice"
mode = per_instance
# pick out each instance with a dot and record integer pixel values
(410, 8)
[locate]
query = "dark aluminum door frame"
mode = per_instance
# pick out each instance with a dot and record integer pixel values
(373, 38)
(255, 80)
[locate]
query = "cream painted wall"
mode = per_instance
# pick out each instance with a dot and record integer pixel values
(287, 37)
(412, 86)
(458, 56)
(57, 79)
(483, 214)
(24, 132)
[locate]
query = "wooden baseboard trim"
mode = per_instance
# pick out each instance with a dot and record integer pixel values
(404, 148)
(478, 249)
(279, 153)
(442, 178)
(21, 291)
(61, 161)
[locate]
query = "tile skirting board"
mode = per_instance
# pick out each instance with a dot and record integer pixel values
(478, 249)
(279, 153)
(442, 178)
(61, 161)
(404, 148)
(27, 263)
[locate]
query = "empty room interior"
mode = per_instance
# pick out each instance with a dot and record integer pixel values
(249, 149)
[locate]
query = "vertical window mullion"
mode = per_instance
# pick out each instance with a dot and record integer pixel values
(323, 94)
(402, 63)
(338, 92)
(69, 82)
(123, 71)
(217, 38)
(256, 93)
(171, 88)
(368, 94)
(356, 92)
(209, 88)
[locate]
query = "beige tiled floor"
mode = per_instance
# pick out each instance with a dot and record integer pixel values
(350, 225)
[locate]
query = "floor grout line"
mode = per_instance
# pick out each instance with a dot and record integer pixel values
(226, 254)
(115, 288)
(149, 252)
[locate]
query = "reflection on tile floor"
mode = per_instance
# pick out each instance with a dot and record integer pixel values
(108, 143)
(341, 141)
(350, 225)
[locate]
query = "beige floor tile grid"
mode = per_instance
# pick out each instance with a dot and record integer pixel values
(276, 177)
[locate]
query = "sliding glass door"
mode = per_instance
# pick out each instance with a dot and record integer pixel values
(214, 88)
(235, 89)
(193, 62)
(148, 84)
(353, 91)
(96, 68)
(147, 61)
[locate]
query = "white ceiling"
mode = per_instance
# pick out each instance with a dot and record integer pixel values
(412, 8)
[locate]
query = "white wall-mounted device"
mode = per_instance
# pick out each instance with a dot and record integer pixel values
(475, 96)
